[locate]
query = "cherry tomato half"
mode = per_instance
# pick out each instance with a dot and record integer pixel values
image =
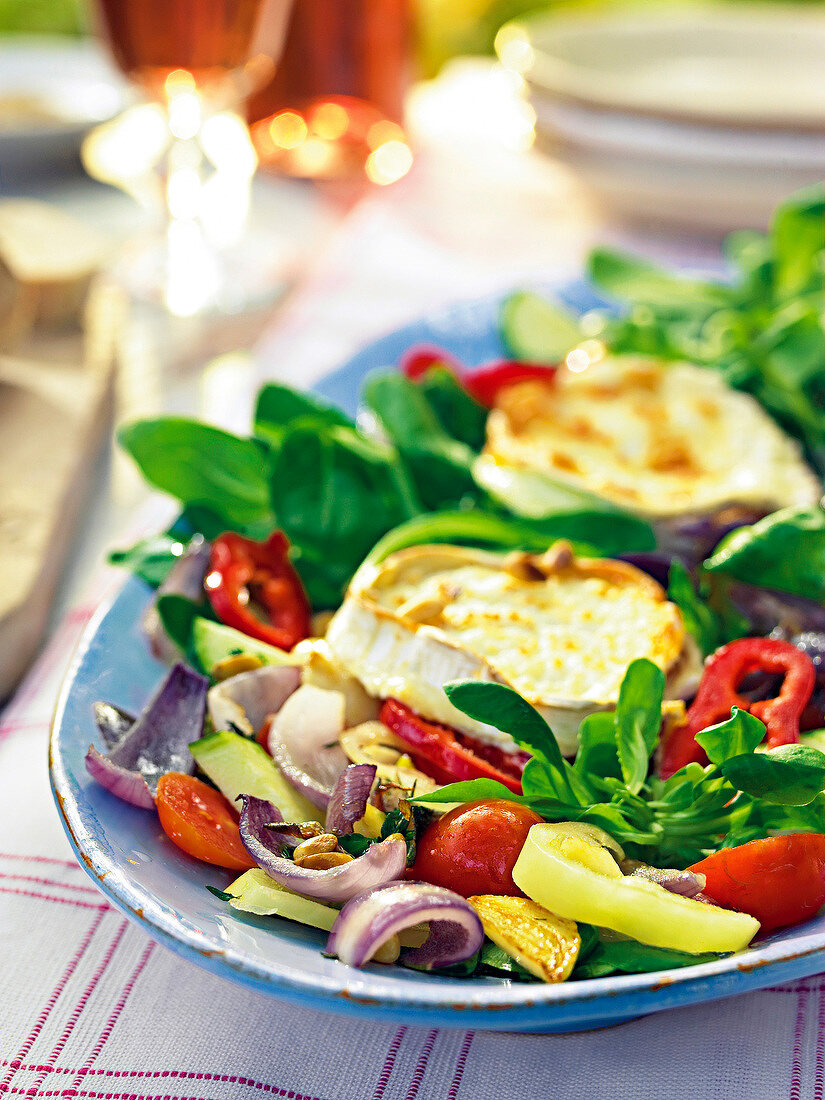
(779, 881)
(473, 848)
(200, 821)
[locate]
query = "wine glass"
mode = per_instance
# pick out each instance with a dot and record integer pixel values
(187, 150)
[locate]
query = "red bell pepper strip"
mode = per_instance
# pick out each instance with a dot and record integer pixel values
(485, 382)
(417, 360)
(449, 756)
(482, 383)
(253, 587)
(780, 880)
(717, 694)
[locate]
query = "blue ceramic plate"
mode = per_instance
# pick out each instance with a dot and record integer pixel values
(161, 889)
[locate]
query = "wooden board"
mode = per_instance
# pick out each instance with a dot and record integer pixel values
(55, 409)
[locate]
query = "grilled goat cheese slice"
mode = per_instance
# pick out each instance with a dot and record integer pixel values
(560, 630)
(659, 439)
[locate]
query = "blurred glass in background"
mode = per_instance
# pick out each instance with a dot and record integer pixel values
(332, 109)
(335, 104)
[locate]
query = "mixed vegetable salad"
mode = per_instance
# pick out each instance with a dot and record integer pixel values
(681, 814)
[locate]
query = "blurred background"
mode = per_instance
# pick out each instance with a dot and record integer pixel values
(679, 112)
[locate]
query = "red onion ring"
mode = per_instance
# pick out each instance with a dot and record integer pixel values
(382, 862)
(127, 785)
(157, 742)
(246, 701)
(348, 801)
(688, 884)
(185, 579)
(112, 722)
(303, 740)
(370, 919)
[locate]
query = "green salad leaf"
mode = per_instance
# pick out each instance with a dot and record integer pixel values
(459, 414)
(177, 615)
(203, 465)
(790, 775)
(151, 558)
(785, 550)
(440, 465)
(631, 957)
(279, 407)
(638, 719)
(698, 616)
(630, 279)
(739, 735)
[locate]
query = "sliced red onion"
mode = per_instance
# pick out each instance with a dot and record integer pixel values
(158, 741)
(303, 739)
(693, 537)
(688, 884)
(185, 579)
(130, 786)
(348, 800)
(654, 563)
(382, 862)
(771, 610)
(112, 722)
(370, 919)
(244, 702)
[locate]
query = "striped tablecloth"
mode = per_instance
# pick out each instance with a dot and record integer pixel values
(90, 1007)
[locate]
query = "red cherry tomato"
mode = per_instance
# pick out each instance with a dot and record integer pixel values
(200, 821)
(482, 383)
(779, 881)
(473, 848)
(485, 383)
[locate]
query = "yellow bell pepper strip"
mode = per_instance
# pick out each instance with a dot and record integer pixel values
(541, 942)
(575, 877)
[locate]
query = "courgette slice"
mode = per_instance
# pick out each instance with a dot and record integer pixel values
(238, 766)
(214, 642)
(536, 330)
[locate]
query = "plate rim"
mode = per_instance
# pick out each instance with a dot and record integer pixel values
(506, 1006)
(557, 75)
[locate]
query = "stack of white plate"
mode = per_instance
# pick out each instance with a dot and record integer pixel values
(703, 116)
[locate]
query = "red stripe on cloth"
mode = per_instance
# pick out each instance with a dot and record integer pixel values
(421, 1065)
(50, 882)
(389, 1062)
(59, 649)
(460, 1064)
(8, 728)
(52, 1001)
(102, 906)
(222, 1078)
(182, 1074)
(792, 991)
(42, 859)
(798, 1035)
(819, 1073)
(107, 1095)
(113, 1018)
(78, 1009)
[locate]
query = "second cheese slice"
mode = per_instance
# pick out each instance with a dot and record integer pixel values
(561, 631)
